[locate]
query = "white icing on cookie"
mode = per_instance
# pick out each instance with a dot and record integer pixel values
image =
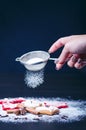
(31, 104)
(51, 108)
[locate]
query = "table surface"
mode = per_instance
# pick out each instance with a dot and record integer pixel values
(55, 85)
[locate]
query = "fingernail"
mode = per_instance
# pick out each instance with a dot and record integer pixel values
(58, 66)
(50, 50)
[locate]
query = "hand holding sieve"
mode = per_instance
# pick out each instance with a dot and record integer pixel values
(44, 56)
(36, 65)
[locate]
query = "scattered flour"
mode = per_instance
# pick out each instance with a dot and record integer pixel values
(75, 112)
(34, 78)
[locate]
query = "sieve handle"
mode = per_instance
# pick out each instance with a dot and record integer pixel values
(53, 59)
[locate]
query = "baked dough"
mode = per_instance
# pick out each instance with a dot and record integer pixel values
(47, 110)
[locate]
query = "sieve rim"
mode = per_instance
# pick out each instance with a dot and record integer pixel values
(31, 52)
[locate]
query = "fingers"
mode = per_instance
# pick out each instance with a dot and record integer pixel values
(76, 62)
(73, 60)
(79, 65)
(63, 58)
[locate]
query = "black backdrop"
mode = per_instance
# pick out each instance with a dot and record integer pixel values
(34, 25)
(27, 25)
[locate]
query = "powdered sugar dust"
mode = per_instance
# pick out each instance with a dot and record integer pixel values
(76, 111)
(34, 78)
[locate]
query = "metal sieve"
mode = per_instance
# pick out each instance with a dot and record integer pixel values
(45, 56)
(37, 65)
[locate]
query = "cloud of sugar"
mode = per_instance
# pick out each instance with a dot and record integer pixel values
(34, 79)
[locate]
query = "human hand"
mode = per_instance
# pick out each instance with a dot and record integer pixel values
(74, 50)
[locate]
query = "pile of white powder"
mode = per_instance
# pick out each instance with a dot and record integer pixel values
(75, 112)
(34, 78)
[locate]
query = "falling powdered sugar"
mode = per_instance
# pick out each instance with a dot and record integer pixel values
(34, 78)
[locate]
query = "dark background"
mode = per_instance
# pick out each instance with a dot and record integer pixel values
(27, 25)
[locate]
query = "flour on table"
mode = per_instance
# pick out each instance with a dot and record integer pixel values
(76, 111)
